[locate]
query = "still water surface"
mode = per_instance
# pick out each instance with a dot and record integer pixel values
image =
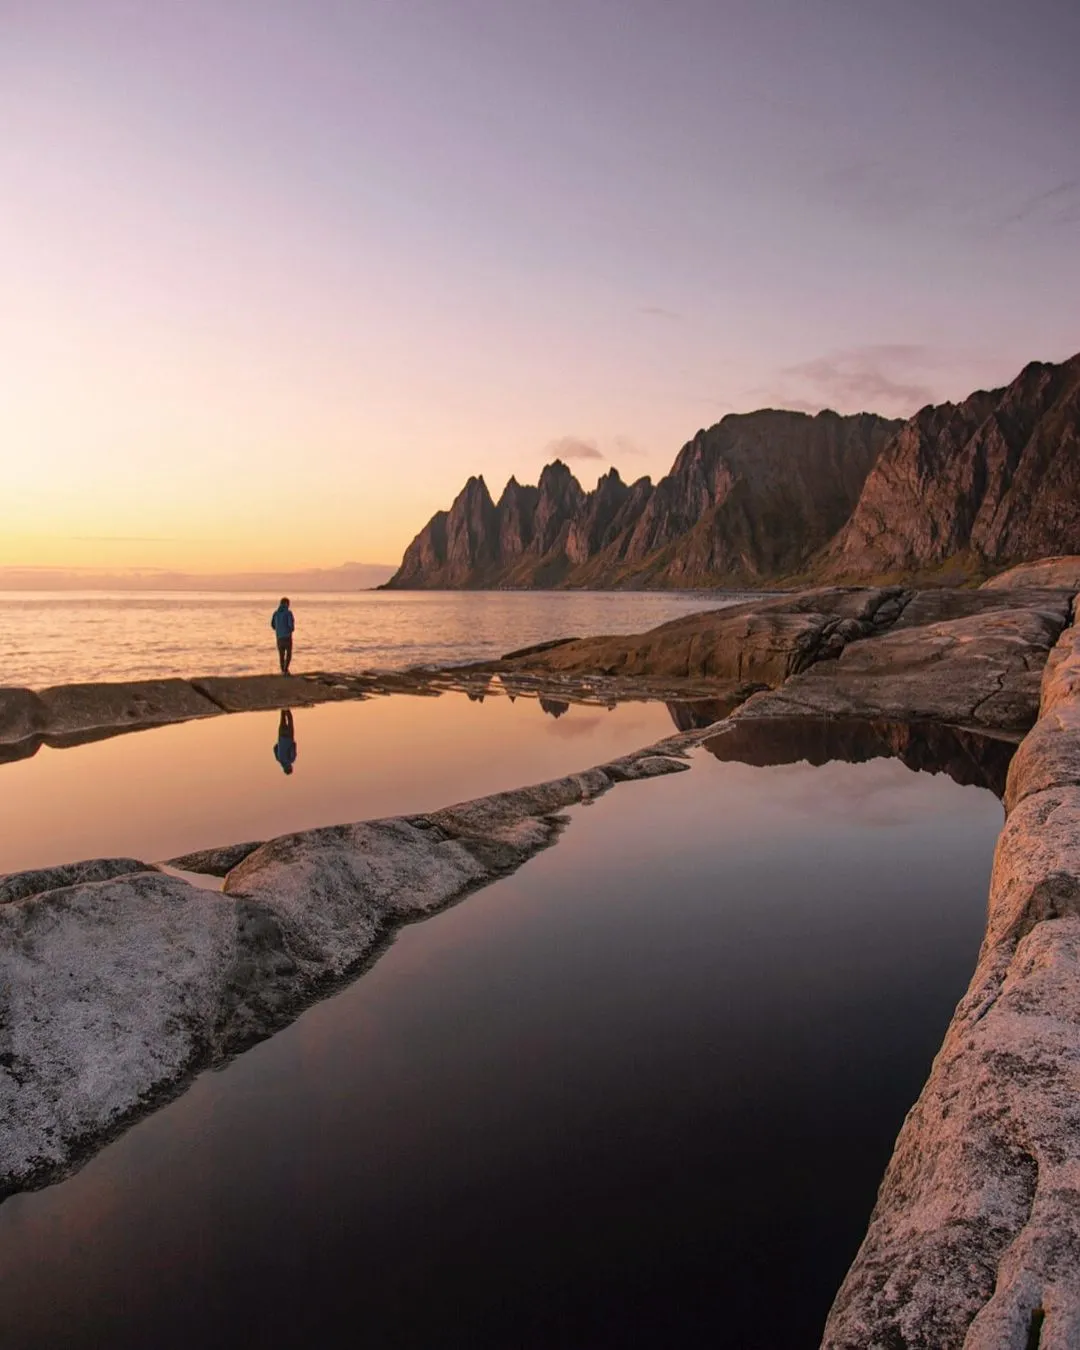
(155, 794)
(63, 638)
(639, 1094)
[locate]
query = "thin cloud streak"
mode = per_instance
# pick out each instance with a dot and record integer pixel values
(1059, 205)
(879, 377)
(574, 447)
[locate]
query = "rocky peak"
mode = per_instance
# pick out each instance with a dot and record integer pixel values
(560, 498)
(989, 481)
(516, 509)
(992, 480)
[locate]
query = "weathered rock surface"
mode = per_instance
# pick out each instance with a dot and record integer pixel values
(117, 983)
(974, 1243)
(22, 715)
(22, 884)
(753, 496)
(1061, 676)
(259, 693)
(760, 643)
(109, 991)
(72, 709)
(984, 670)
(992, 480)
(215, 862)
(1063, 573)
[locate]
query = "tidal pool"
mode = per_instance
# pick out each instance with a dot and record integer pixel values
(639, 1094)
(169, 790)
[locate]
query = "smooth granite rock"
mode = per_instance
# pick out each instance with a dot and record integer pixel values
(71, 709)
(19, 885)
(109, 992)
(940, 604)
(976, 1231)
(974, 1243)
(1049, 756)
(22, 715)
(1061, 676)
(215, 862)
(1062, 572)
(983, 670)
(758, 643)
(260, 693)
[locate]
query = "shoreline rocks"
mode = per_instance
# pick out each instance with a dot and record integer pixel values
(119, 982)
(974, 1243)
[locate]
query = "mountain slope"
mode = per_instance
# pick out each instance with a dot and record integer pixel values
(991, 481)
(756, 494)
(769, 495)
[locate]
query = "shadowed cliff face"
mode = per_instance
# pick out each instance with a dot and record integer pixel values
(992, 480)
(773, 495)
(755, 495)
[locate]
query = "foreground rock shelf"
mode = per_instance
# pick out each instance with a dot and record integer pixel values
(119, 980)
(975, 1239)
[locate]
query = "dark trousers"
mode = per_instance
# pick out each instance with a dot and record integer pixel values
(284, 651)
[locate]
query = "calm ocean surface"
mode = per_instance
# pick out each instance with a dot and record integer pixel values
(62, 637)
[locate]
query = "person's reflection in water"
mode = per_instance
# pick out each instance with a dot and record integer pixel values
(285, 749)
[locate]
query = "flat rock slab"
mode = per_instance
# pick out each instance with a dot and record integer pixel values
(261, 693)
(19, 885)
(73, 709)
(1062, 572)
(22, 715)
(942, 604)
(756, 643)
(984, 670)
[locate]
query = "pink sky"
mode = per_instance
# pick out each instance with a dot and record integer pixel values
(277, 278)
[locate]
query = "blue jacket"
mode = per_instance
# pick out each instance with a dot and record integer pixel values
(282, 622)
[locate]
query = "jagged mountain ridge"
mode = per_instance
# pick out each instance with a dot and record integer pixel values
(772, 495)
(754, 494)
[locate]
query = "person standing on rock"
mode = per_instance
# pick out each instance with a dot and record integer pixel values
(283, 623)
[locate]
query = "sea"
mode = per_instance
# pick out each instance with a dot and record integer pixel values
(69, 637)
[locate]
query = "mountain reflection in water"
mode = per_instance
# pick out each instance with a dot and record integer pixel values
(971, 758)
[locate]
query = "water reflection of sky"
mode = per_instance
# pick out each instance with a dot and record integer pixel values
(155, 794)
(639, 1093)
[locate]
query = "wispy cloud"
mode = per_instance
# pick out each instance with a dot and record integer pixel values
(884, 377)
(119, 539)
(627, 448)
(1059, 205)
(574, 447)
